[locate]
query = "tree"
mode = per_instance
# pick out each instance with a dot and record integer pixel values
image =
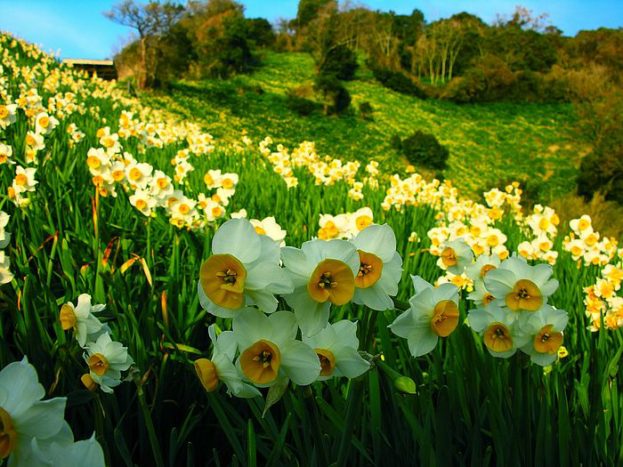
(152, 21)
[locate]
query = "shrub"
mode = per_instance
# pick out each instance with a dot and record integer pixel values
(341, 62)
(335, 96)
(300, 105)
(366, 110)
(397, 81)
(423, 149)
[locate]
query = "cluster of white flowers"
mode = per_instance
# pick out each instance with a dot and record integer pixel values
(586, 245)
(33, 432)
(105, 358)
(346, 225)
(5, 237)
(244, 276)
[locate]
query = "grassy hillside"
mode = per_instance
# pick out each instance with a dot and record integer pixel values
(488, 143)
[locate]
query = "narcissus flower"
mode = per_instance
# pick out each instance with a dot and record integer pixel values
(455, 256)
(519, 286)
(433, 313)
(6, 275)
(323, 273)
(81, 319)
(336, 346)
(68, 453)
(220, 367)
(380, 267)
(268, 226)
(500, 330)
(243, 270)
(269, 351)
(106, 360)
(24, 417)
(544, 329)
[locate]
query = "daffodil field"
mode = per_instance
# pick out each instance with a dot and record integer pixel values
(170, 299)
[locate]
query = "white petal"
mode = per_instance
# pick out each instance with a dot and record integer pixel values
(346, 332)
(378, 240)
(349, 362)
(373, 297)
(420, 284)
(43, 420)
(226, 344)
(284, 326)
(300, 363)
(265, 301)
(311, 316)
(266, 275)
(403, 324)
(19, 386)
(297, 263)
(500, 282)
(421, 342)
(238, 238)
(250, 325)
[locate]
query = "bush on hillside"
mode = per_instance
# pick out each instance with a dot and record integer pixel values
(299, 104)
(366, 110)
(602, 170)
(397, 81)
(341, 62)
(335, 96)
(424, 150)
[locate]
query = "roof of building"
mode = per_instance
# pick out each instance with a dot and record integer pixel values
(85, 61)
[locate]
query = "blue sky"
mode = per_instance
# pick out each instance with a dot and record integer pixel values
(77, 28)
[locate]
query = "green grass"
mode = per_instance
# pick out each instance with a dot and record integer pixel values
(498, 142)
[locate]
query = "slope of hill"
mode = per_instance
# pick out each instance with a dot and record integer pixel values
(489, 144)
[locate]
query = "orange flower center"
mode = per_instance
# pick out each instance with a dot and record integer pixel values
(498, 337)
(8, 435)
(260, 362)
(67, 317)
(93, 162)
(135, 174)
(485, 269)
(524, 296)
(547, 340)
(21, 180)
(332, 280)
(448, 257)
(445, 318)
(98, 364)
(370, 270)
(362, 222)
(327, 361)
(222, 278)
(206, 372)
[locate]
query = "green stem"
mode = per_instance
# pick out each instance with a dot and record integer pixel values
(149, 424)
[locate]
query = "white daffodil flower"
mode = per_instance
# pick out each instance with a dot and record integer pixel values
(24, 416)
(6, 275)
(81, 319)
(337, 349)
(269, 350)
(519, 286)
(544, 329)
(380, 267)
(456, 256)
(243, 270)
(433, 313)
(323, 273)
(107, 359)
(501, 332)
(221, 368)
(482, 266)
(268, 226)
(5, 237)
(68, 453)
